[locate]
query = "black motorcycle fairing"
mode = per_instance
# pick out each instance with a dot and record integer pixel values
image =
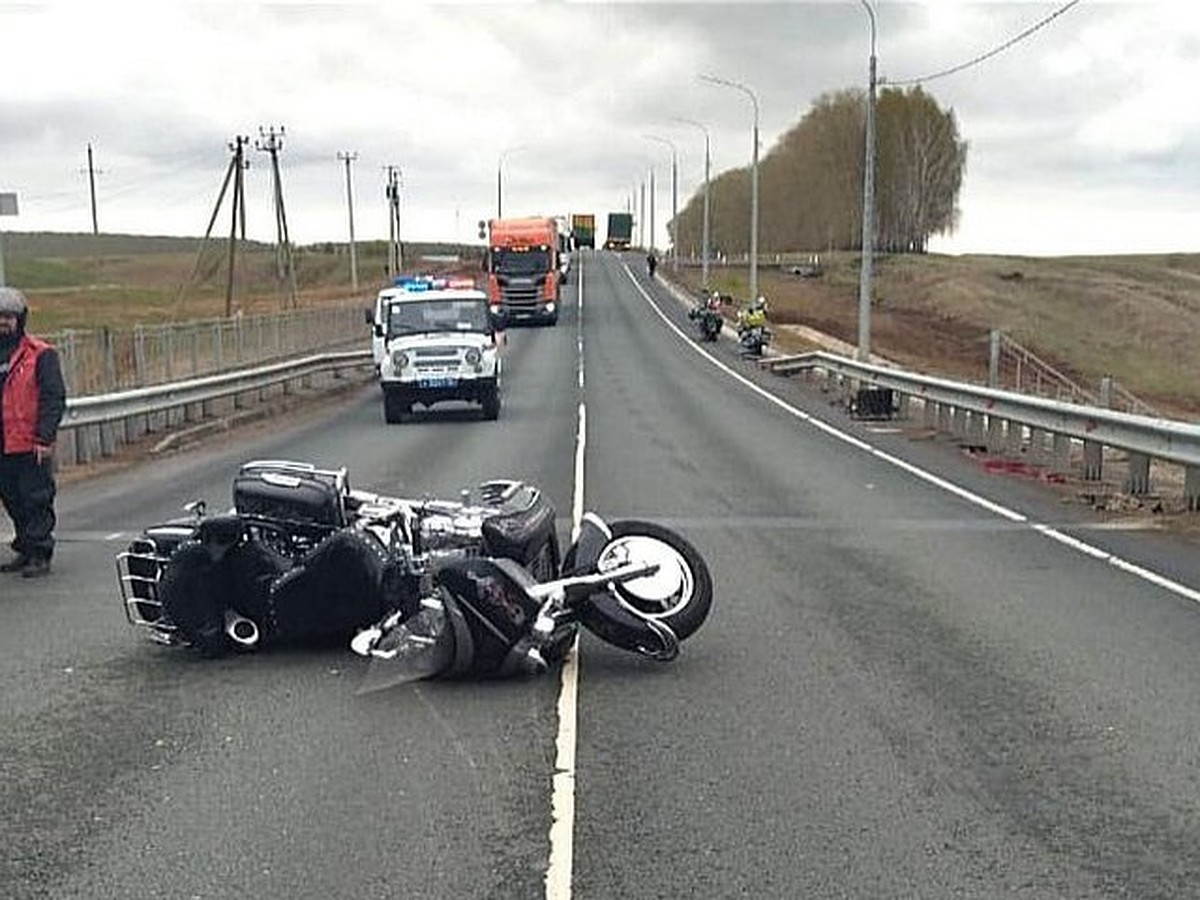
(582, 555)
(617, 623)
(497, 608)
(424, 645)
(522, 527)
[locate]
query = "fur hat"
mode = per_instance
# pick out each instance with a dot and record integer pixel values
(13, 302)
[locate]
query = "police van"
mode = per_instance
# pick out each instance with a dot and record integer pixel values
(437, 343)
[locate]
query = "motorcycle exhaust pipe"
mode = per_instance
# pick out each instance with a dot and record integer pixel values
(242, 631)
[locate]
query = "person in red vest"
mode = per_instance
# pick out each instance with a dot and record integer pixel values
(34, 399)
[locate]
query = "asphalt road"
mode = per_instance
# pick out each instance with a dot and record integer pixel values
(918, 679)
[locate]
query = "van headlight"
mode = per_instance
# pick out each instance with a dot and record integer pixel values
(472, 356)
(399, 360)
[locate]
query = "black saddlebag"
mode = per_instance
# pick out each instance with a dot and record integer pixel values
(345, 583)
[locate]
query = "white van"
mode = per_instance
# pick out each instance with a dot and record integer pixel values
(438, 345)
(405, 284)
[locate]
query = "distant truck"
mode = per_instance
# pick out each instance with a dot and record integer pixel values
(583, 230)
(620, 231)
(524, 273)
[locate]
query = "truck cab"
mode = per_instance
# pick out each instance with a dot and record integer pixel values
(524, 275)
(439, 344)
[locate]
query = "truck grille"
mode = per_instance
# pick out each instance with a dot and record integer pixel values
(521, 295)
(437, 359)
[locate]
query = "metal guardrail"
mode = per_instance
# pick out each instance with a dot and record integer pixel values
(1019, 423)
(95, 426)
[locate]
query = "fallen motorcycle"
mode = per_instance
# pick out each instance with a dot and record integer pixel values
(303, 556)
(707, 316)
(425, 587)
(636, 585)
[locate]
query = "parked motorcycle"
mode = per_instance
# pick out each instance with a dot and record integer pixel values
(752, 331)
(637, 585)
(707, 316)
(302, 556)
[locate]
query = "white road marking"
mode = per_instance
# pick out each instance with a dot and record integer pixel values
(1049, 531)
(562, 797)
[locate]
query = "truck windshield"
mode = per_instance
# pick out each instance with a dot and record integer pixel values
(521, 262)
(423, 316)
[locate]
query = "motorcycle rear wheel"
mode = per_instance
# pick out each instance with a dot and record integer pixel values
(686, 602)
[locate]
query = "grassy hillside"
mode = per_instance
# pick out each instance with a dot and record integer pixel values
(92, 281)
(1135, 318)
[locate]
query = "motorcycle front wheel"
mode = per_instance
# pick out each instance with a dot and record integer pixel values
(679, 594)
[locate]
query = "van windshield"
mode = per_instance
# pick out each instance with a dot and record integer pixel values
(422, 316)
(534, 261)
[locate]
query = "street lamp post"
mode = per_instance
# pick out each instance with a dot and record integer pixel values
(500, 179)
(753, 182)
(707, 165)
(674, 194)
(868, 216)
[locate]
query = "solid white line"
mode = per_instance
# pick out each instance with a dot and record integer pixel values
(562, 797)
(1048, 531)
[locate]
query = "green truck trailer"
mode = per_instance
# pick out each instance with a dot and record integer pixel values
(583, 229)
(620, 231)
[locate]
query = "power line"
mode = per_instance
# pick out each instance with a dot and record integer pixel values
(993, 52)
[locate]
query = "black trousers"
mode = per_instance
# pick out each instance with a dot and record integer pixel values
(27, 490)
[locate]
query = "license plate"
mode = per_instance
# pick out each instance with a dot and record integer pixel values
(439, 381)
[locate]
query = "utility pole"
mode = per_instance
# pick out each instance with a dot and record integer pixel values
(270, 141)
(92, 189)
(865, 272)
(395, 254)
(237, 216)
(236, 164)
(348, 158)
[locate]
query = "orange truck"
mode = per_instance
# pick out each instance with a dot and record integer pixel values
(522, 265)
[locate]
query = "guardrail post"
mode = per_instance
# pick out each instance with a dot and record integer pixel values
(929, 416)
(995, 434)
(1137, 478)
(944, 414)
(974, 433)
(1191, 487)
(1014, 437)
(1093, 461)
(959, 423)
(1037, 446)
(1060, 453)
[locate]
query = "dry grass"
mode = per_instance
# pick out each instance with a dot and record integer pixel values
(1136, 318)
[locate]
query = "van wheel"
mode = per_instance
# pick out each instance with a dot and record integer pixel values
(491, 405)
(394, 410)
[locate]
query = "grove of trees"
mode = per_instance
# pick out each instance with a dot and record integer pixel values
(811, 181)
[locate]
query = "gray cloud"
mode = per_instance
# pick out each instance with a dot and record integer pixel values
(1094, 109)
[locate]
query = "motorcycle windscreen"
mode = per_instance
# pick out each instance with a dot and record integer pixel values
(422, 646)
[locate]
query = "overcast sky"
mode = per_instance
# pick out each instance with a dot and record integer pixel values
(1083, 137)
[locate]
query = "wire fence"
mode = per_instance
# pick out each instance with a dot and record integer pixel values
(1016, 368)
(106, 360)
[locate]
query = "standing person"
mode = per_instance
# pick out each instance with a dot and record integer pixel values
(651, 263)
(33, 399)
